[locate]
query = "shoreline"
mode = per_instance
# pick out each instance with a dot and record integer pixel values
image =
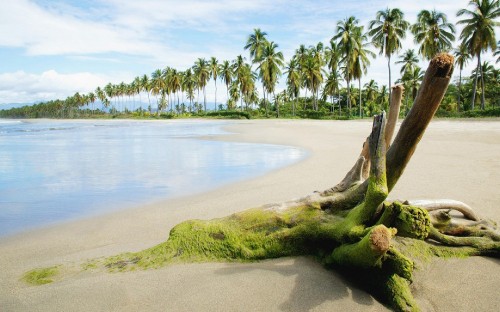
(442, 167)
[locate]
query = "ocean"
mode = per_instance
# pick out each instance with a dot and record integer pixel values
(55, 171)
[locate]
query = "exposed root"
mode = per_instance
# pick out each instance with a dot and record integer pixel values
(447, 204)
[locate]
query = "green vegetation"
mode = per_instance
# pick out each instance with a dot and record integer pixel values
(313, 75)
(41, 276)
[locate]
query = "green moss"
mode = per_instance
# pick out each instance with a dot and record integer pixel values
(399, 294)
(41, 276)
(410, 221)
(249, 235)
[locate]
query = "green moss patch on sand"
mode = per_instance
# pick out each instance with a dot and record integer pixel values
(41, 276)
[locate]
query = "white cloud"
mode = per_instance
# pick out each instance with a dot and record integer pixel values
(23, 87)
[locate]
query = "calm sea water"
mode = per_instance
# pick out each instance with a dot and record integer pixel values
(53, 171)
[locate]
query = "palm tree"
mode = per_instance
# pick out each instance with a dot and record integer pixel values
(414, 78)
(371, 89)
(255, 44)
(387, 31)
(202, 71)
(411, 81)
(332, 85)
(348, 44)
(174, 84)
(158, 86)
(478, 33)
(486, 72)
(270, 68)
(361, 61)
(333, 57)
(214, 72)
(293, 80)
(313, 77)
(462, 57)
(409, 60)
(189, 83)
(145, 86)
(226, 74)
(101, 95)
(247, 85)
(238, 67)
(433, 32)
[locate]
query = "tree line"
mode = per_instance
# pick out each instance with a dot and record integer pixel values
(313, 75)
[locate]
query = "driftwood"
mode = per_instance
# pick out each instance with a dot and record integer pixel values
(351, 226)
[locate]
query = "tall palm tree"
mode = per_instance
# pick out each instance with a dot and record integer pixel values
(409, 60)
(226, 74)
(101, 95)
(202, 71)
(214, 72)
(346, 34)
(189, 83)
(462, 57)
(313, 77)
(333, 57)
(387, 30)
(174, 84)
(247, 85)
(255, 44)
(109, 91)
(293, 80)
(158, 86)
(478, 33)
(238, 67)
(146, 86)
(270, 68)
(361, 61)
(433, 32)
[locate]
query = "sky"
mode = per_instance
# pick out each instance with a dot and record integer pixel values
(52, 49)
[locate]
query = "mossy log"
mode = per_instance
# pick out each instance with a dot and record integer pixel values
(350, 227)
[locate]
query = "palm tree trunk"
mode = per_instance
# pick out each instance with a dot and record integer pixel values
(389, 86)
(276, 102)
(482, 88)
(360, 113)
(340, 105)
(459, 88)
(205, 98)
(475, 81)
(348, 95)
(215, 80)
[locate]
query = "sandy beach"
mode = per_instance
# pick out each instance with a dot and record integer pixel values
(457, 159)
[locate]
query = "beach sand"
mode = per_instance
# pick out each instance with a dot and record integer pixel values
(456, 159)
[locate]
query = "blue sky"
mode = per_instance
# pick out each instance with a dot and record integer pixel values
(52, 49)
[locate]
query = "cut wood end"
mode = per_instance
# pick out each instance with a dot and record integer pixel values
(443, 64)
(398, 87)
(380, 238)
